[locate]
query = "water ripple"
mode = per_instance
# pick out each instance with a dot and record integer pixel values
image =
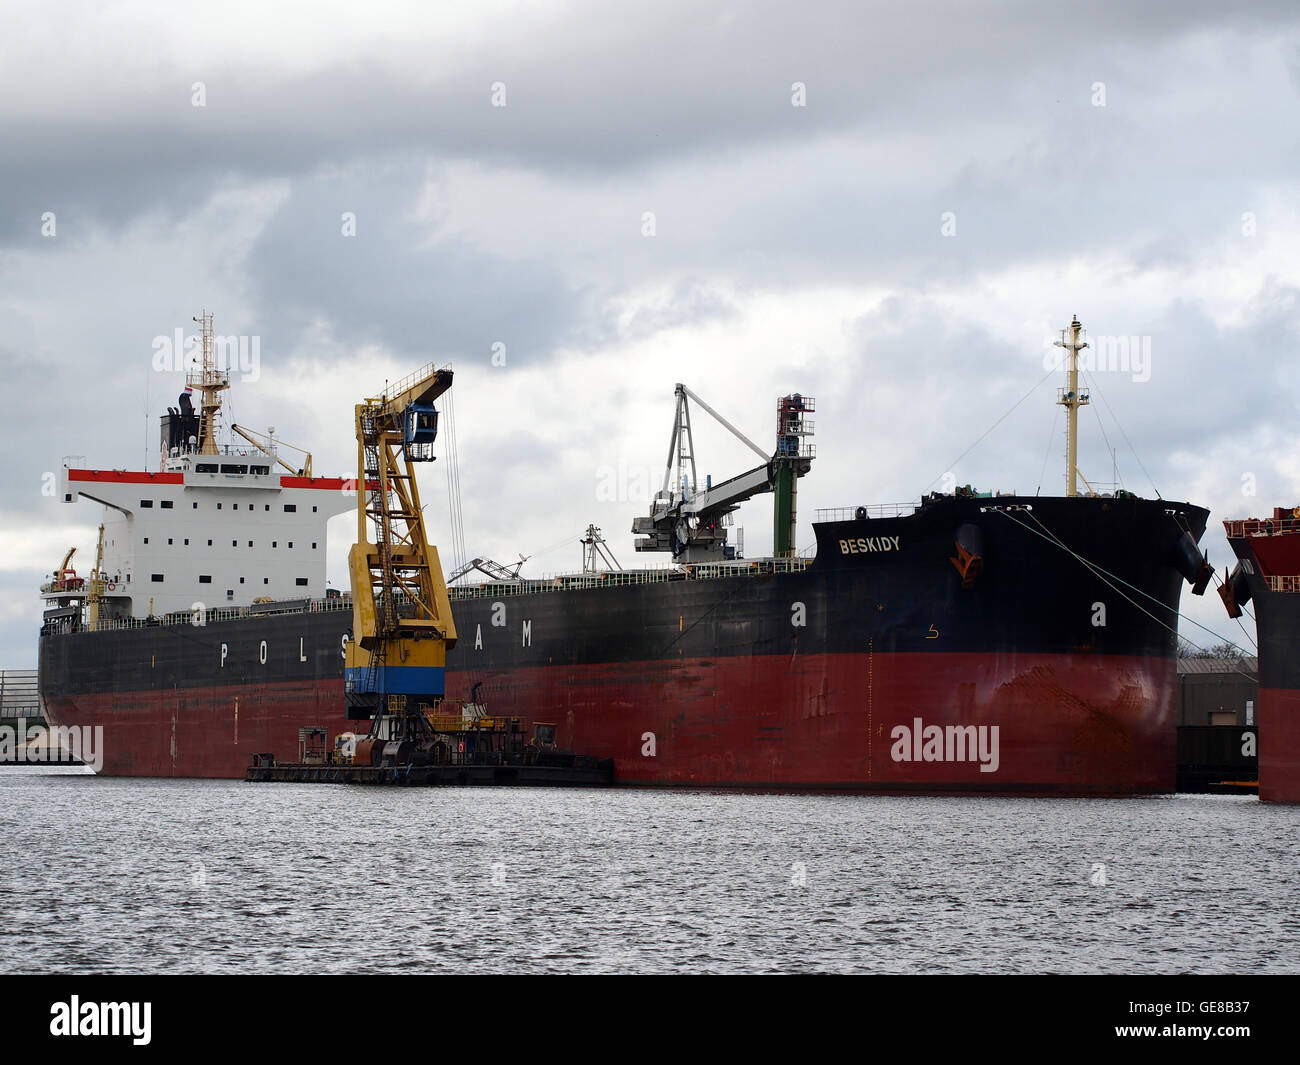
(222, 877)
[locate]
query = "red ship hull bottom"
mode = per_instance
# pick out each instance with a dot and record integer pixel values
(1279, 745)
(1066, 724)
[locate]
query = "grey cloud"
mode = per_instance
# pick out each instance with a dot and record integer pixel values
(603, 89)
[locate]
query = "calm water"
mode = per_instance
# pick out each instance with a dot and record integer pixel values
(200, 876)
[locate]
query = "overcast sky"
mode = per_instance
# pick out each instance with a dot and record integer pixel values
(892, 208)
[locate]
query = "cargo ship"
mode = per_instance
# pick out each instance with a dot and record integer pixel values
(970, 642)
(1267, 575)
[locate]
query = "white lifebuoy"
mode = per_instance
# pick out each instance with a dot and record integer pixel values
(112, 586)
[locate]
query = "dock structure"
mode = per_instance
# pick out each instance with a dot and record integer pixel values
(20, 697)
(491, 752)
(584, 772)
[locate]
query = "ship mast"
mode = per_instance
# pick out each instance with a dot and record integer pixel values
(1072, 399)
(211, 382)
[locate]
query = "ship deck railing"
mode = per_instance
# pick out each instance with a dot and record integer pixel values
(234, 613)
(1244, 527)
(564, 582)
(876, 510)
(697, 571)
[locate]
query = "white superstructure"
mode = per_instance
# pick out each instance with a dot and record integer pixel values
(216, 526)
(220, 533)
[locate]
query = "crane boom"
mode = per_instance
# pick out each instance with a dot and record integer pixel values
(690, 521)
(95, 592)
(272, 449)
(493, 569)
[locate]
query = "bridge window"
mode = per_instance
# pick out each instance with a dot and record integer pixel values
(146, 503)
(166, 504)
(205, 578)
(301, 582)
(291, 508)
(157, 578)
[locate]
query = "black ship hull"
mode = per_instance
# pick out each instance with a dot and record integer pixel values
(991, 645)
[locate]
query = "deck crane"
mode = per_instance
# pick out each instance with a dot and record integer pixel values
(401, 614)
(98, 582)
(597, 556)
(65, 577)
(498, 572)
(688, 519)
(268, 443)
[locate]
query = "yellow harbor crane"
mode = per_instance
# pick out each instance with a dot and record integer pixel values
(401, 614)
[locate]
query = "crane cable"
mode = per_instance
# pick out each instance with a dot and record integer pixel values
(1093, 566)
(456, 521)
(455, 510)
(1220, 583)
(1102, 574)
(990, 429)
(1092, 385)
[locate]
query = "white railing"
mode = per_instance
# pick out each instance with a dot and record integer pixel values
(394, 390)
(702, 571)
(876, 510)
(208, 617)
(1262, 527)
